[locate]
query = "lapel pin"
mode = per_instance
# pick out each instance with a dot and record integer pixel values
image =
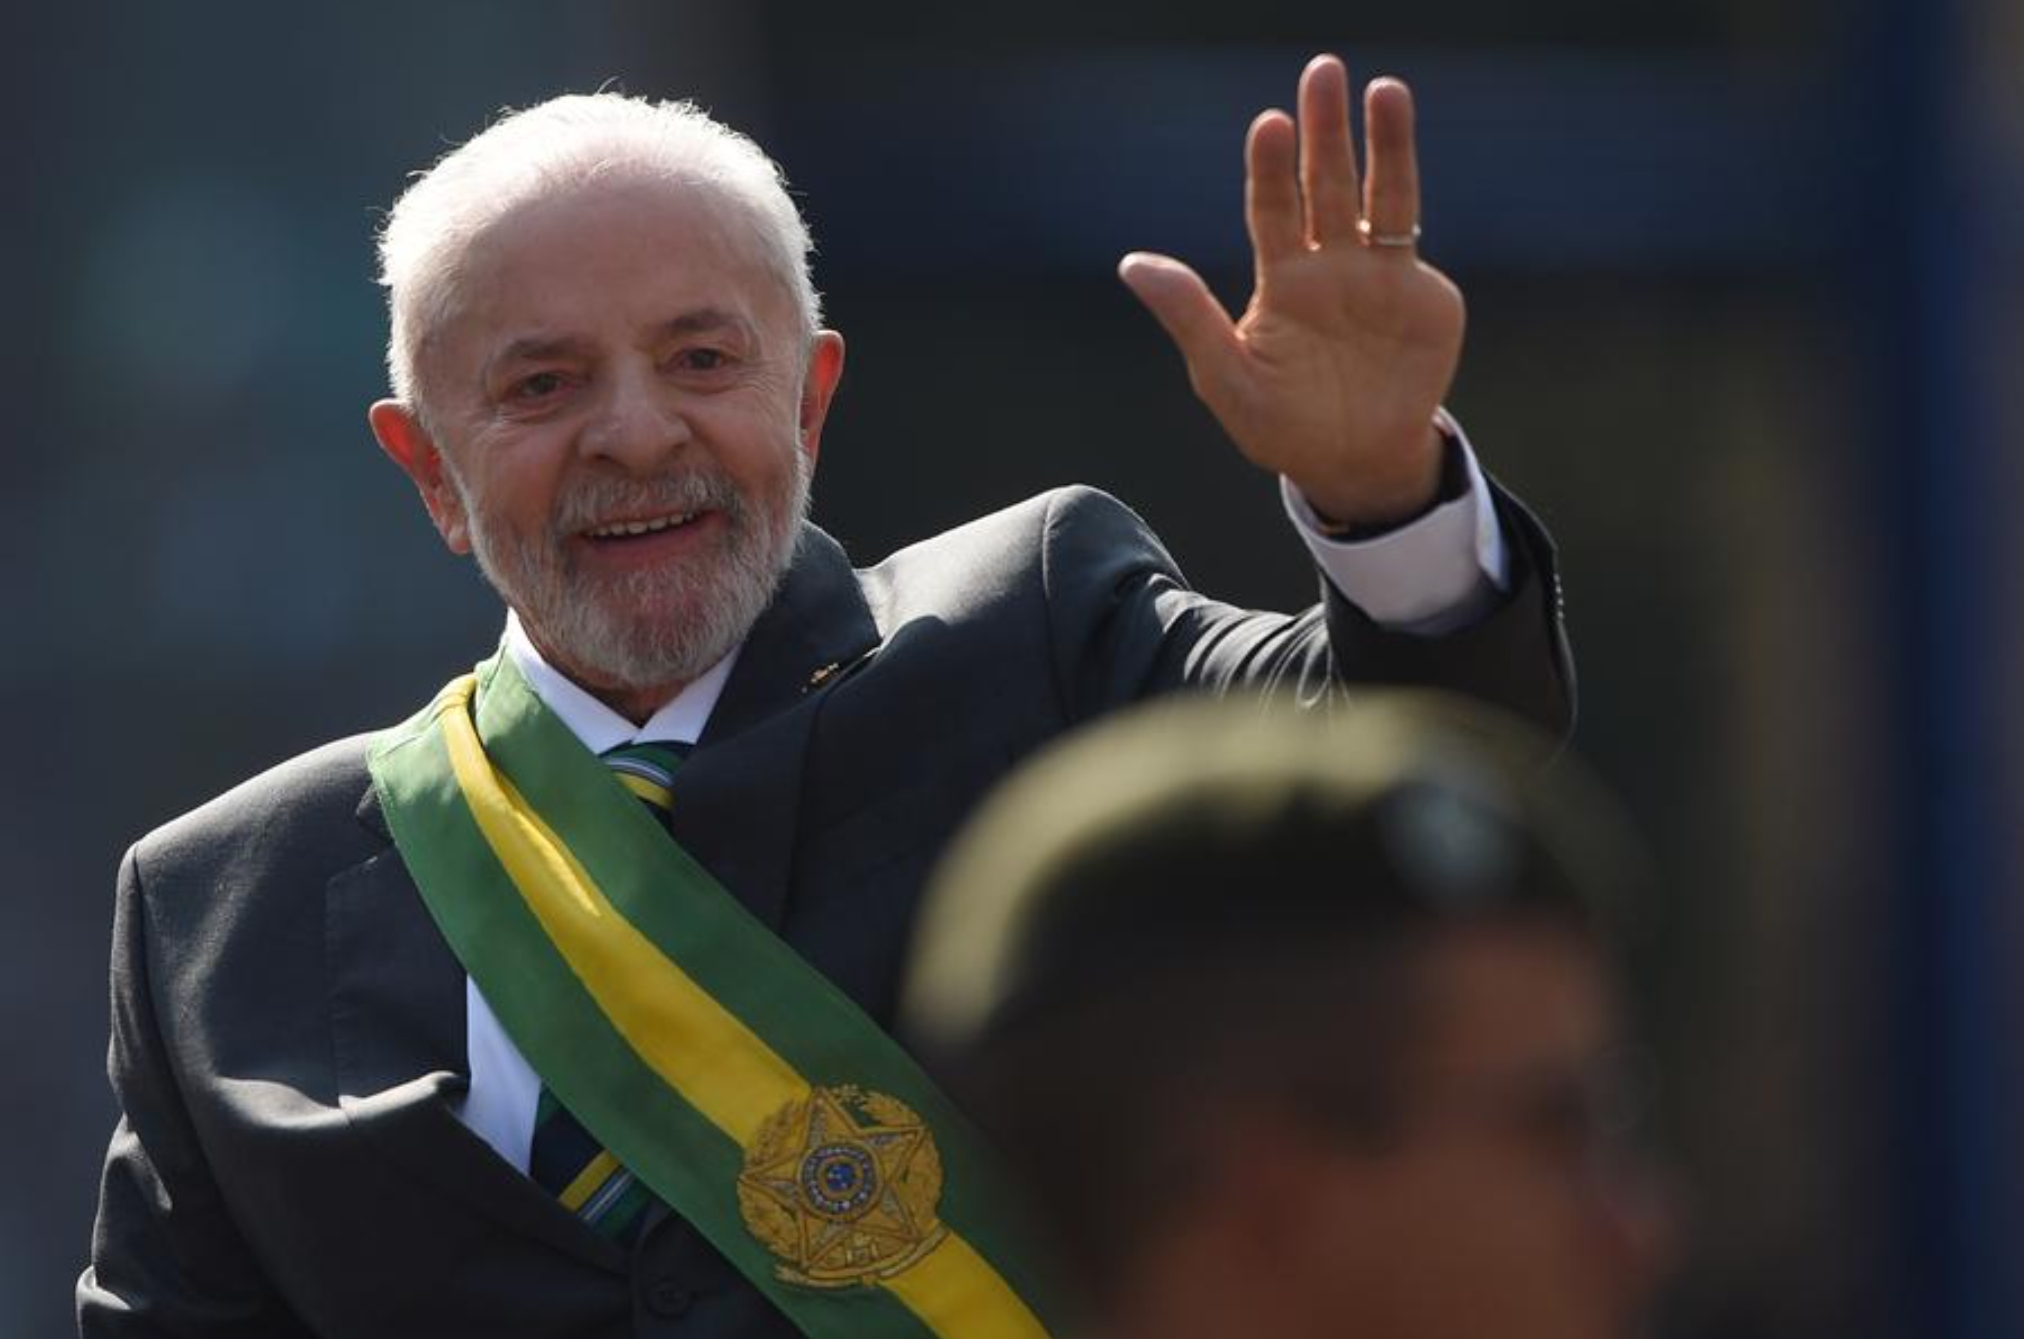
(816, 679)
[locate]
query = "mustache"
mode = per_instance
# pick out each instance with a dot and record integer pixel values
(594, 501)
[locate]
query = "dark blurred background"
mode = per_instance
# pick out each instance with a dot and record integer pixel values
(1744, 289)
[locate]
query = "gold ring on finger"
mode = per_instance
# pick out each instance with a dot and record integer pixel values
(1373, 237)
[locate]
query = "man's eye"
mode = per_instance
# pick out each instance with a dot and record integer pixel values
(703, 360)
(537, 387)
(1565, 1120)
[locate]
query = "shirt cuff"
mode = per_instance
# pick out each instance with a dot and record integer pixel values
(1439, 572)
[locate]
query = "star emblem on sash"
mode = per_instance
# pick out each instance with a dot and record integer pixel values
(842, 1187)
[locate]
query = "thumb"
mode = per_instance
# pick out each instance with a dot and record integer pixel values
(1192, 316)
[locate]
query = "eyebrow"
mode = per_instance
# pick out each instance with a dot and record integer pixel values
(534, 348)
(708, 319)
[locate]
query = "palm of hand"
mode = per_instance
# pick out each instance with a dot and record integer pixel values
(1334, 374)
(1345, 355)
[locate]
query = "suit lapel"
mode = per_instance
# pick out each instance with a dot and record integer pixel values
(399, 1042)
(737, 797)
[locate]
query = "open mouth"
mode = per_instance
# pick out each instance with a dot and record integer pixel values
(654, 525)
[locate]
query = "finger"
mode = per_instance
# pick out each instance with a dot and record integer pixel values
(1329, 169)
(1272, 194)
(1192, 316)
(1392, 176)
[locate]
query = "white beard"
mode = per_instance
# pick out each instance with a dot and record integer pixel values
(651, 628)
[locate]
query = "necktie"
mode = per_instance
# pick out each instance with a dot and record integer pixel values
(564, 1158)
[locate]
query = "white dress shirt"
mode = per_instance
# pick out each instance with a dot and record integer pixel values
(1430, 576)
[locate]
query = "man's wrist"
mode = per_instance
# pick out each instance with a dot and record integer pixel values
(1427, 576)
(1452, 481)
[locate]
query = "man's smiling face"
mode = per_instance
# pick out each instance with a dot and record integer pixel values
(622, 415)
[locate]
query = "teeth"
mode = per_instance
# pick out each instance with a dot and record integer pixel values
(619, 528)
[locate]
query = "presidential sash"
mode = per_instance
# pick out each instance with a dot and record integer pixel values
(724, 1071)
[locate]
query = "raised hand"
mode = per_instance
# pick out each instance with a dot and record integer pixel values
(1333, 375)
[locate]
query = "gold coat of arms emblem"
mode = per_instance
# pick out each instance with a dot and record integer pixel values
(842, 1186)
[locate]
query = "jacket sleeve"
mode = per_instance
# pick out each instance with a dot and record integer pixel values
(1125, 625)
(166, 1256)
(1516, 656)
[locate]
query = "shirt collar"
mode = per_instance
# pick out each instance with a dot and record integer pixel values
(680, 720)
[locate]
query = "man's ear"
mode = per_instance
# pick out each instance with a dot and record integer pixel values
(408, 443)
(819, 383)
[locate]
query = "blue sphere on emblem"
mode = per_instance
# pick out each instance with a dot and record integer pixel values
(839, 1180)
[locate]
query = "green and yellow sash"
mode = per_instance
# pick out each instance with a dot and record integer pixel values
(728, 1074)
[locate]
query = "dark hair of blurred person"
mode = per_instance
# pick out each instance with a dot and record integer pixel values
(1296, 1027)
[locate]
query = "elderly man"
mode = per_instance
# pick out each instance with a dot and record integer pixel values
(1297, 1029)
(443, 1031)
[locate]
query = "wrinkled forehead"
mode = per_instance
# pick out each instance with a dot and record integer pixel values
(604, 233)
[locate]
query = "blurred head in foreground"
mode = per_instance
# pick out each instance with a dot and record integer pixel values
(1301, 1027)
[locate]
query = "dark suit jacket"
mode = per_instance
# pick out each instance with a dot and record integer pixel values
(289, 1026)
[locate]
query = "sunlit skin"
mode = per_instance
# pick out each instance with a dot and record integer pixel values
(601, 337)
(1333, 374)
(613, 333)
(1500, 1207)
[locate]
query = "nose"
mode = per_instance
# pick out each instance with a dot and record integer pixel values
(638, 424)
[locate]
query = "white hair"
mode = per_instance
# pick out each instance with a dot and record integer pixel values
(554, 147)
